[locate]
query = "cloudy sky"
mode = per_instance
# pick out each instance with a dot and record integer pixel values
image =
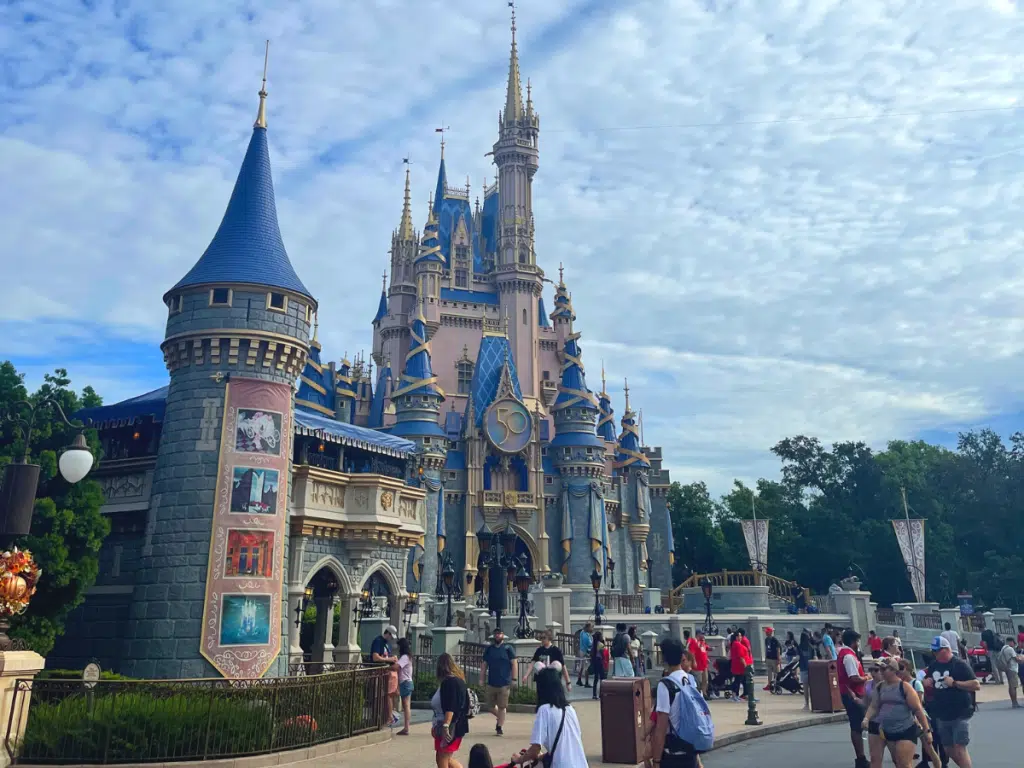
(776, 217)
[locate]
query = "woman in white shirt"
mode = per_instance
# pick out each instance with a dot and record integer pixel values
(556, 729)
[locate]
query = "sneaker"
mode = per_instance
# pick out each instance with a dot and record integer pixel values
(498, 731)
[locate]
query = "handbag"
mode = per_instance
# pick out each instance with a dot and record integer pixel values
(546, 758)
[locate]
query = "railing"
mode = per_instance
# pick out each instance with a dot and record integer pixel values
(1004, 627)
(616, 602)
(777, 587)
(926, 620)
(973, 623)
(154, 721)
(889, 617)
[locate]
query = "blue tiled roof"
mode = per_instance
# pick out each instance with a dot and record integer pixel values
(455, 461)
(352, 435)
(150, 404)
(382, 307)
(248, 247)
(494, 350)
(469, 297)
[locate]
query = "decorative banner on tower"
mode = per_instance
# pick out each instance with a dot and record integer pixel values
(241, 631)
(755, 534)
(910, 535)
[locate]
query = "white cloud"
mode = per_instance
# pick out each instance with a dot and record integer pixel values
(759, 265)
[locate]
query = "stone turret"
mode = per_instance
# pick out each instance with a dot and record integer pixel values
(239, 319)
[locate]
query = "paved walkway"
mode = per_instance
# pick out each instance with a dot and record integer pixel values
(417, 748)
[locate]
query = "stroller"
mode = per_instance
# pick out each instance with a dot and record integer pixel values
(788, 678)
(721, 678)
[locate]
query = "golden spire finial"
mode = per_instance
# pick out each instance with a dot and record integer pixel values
(261, 115)
(625, 389)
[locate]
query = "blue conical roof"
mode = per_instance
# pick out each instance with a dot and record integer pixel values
(627, 452)
(248, 247)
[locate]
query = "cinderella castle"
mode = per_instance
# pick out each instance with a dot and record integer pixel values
(267, 478)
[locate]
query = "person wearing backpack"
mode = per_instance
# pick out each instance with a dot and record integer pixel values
(621, 665)
(683, 729)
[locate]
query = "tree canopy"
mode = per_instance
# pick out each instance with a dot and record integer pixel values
(67, 527)
(830, 514)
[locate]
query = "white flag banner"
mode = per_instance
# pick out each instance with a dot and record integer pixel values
(755, 533)
(910, 535)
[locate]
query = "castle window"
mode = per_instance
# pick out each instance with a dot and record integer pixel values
(174, 304)
(465, 375)
(460, 278)
(220, 297)
(277, 302)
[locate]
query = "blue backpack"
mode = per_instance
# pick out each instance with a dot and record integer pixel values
(696, 728)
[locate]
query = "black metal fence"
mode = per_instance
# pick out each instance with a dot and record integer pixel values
(151, 721)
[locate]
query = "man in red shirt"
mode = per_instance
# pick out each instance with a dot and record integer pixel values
(851, 689)
(875, 645)
(698, 646)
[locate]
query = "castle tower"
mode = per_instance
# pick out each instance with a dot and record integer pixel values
(519, 279)
(578, 454)
(417, 402)
(634, 501)
(391, 331)
(237, 337)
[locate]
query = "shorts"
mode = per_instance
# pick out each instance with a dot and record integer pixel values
(405, 688)
(954, 733)
(451, 749)
(854, 713)
(1013, 681)
(910, 734)
(497, 696)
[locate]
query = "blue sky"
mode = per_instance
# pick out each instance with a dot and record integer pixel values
(775, 217)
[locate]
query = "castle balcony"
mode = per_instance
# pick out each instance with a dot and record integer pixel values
(363, 509)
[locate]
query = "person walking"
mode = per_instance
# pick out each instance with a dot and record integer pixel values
(952, 637)
(583, 660)
(772, 655)
(450, 705)
(598, 661)
(556, 728)
(851, 690)
(496, 673)
(1009, 661)
(405, 684)
(953, 683)
(698, 646)
(900, 716)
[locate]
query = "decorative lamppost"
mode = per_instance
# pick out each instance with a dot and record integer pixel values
(710, 627)
(611, 572)
(595, 582)
(523, 582)
(18, 571)
(448, 579)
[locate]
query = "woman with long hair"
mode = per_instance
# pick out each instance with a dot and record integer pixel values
(405, 684)
(450, 704)
(900, 716)
(556, 729)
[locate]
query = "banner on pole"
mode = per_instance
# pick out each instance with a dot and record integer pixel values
(755, 534)
(910, 536)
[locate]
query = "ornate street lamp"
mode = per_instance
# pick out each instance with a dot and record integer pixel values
(611, 572)
(710, 627)
(448, 578)
(523, 582)
(595, 582)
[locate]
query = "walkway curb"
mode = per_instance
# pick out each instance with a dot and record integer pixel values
(758, 731)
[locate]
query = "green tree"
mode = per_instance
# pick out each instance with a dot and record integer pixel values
(67, 527)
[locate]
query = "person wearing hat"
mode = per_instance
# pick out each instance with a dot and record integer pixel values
(380, 653)
(496, 675)
(772, 655)
(953, 684)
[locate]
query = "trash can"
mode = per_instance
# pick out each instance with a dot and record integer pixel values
(823, 681)
(625, 716)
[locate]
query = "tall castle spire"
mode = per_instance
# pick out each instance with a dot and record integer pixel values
(514, 90)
